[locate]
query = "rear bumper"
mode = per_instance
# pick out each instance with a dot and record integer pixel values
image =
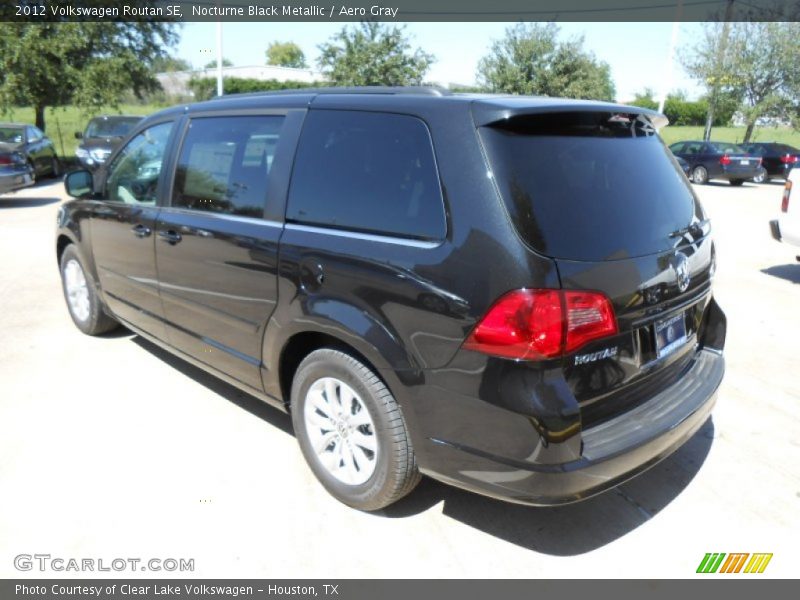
(744, 174)
(612, 452)
(775, 230)
(14, 180)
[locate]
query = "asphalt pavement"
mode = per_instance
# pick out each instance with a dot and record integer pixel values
(112, 448)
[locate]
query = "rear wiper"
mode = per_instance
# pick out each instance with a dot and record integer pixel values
(697, 229)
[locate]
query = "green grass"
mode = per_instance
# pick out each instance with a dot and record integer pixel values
(677, 133)
(61, 123)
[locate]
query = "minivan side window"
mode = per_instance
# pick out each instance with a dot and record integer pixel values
(133, 176)
(368, 172)
(224, 164)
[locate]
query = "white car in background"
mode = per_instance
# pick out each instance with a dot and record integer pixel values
(786, 228)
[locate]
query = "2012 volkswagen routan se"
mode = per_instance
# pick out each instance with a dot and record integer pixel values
(508, 294)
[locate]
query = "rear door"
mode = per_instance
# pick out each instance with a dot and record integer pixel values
(613, 210)
(122, 225)
(217, 242)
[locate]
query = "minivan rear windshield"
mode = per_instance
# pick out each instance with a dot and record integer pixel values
(589, 186)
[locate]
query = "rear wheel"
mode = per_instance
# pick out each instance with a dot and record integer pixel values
(737, 182)
(351, 431)
(700, 175)
(55, 167)
(762, 176)
(80, 292)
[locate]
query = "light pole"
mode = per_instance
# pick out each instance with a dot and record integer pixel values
(219, 59)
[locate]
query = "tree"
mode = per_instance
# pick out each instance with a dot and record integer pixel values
(759, 69)
(88, 64)
(531, 60)
(645, 99)
(212, 64)
(373, 54)
(286, 54)
(170, 64)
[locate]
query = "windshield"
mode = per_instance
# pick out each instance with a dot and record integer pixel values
(11, 135)
(589, 186)
(110, 127)
(726, 148)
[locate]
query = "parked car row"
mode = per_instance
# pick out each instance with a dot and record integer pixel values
(758, 162)
(27, 154)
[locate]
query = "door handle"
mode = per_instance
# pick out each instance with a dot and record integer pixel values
(141, 231)
(170, 236)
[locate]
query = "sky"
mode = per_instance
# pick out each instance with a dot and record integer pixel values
(636, 52)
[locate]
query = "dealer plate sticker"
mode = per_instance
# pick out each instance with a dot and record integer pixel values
(670, 334)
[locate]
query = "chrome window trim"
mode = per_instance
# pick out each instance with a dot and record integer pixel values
(220, 215)
(370, 237)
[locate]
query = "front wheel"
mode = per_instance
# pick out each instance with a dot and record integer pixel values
(80, 293)
(700, 175)
(351, 431)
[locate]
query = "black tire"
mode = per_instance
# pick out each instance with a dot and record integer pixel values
(97, 321)
(34, 174)
(700, 175)
(762, 176)
(55, 168)
(736, 182)
(395, 472)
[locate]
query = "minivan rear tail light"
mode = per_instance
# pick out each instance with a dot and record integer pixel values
(787, 191)
(789, 159)
(5, 160)
(540, 324)
(589, 316)
(725, 160)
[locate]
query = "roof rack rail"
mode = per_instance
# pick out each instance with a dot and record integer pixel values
(412, 90)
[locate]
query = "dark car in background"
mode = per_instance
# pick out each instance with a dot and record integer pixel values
(15, 172)
(393, 268)
(717, 160)
(36, 148)
(101, 137)
(776, 159)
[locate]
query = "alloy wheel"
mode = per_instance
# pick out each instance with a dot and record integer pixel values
(341, 431)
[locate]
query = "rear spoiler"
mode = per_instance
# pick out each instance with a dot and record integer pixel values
(501, 108)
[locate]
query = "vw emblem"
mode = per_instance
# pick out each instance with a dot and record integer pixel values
(681, 266)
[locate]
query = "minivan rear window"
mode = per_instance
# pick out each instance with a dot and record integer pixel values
(589, 186)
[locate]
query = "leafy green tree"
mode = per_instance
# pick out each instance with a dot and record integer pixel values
(373, 54)
(212, 64)
(758, 68)
(87, 64)
(286, 54)
(169, 64)
(645, 99)
(531, 60)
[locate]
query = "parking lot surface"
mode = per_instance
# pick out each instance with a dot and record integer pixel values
(112, 448)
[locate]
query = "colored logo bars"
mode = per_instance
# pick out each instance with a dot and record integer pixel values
(734, 562)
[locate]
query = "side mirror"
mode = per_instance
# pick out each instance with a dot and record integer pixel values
(78, 135)
(79, 184)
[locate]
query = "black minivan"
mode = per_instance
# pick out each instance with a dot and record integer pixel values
(508, 294)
